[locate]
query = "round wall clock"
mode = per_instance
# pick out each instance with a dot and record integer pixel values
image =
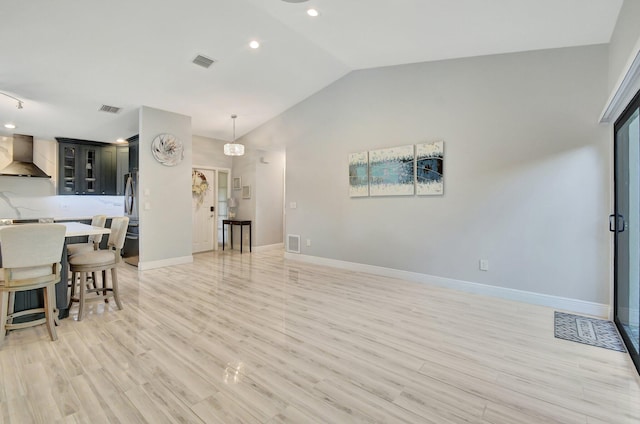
(167, 149)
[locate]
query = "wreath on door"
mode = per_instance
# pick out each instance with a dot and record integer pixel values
(199, 185)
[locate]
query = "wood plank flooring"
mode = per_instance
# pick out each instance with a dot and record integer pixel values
(254, 338)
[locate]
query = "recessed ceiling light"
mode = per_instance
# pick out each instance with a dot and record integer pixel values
(254, 44)
(121, 140)
(10, 126)
(312, 12)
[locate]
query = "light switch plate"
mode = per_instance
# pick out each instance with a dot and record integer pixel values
(484, 264)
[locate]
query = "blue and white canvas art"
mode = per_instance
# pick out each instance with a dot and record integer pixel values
(358, 174)
(430, 168)
(391, 171)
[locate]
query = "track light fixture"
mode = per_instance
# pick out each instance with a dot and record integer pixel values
(20, 102)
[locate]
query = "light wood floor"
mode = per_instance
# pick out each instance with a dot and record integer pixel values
(253, 338)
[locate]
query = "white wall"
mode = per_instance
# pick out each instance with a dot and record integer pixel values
(209, 152)
(263, 171)
(526, 170)
(245, 168)
(624, 40)
(624, 49)
(269, 193)
(165, 192)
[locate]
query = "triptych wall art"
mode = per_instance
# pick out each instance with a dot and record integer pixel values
(398, 171)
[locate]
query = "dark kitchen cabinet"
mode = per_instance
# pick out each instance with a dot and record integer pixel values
(79, 169)
(90, 168)
(134, 145)
(109, 161)
(122, 168)
(67, 168)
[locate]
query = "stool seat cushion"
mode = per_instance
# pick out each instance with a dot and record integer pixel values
(77, 248)
(95, 257)
(28, 273)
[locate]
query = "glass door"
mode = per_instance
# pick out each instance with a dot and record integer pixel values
(90, 171)
(69, 181)
(223, 204)
(625, 223)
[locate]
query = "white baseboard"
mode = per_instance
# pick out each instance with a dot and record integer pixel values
(563, 303)
(268, 247)
(143, 266)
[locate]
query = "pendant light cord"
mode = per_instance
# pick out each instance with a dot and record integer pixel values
(234, 127)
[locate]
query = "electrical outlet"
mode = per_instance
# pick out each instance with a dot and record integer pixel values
(308, 242)
(484, 264)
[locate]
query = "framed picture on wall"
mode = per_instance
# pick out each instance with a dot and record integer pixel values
(391, 171)
(430, 168)
(237, 183)
(246, 192)
(359, 174)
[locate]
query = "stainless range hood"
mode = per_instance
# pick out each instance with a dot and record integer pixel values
(22, 165)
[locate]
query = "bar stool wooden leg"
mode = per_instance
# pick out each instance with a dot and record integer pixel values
(82, 288)
(74, 278)
(93, 280)
(104, 285)
(114, 287)
(12, 305)
(49, 306)
(4, 312)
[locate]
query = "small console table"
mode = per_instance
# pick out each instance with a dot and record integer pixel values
(231, 223)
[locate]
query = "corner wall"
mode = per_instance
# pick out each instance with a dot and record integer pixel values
(526, 170)
(164, 192)
(269, 198)
(624, 41)
(624, 61)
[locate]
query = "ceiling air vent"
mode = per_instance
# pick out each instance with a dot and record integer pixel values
(203, 61)
(109, 109)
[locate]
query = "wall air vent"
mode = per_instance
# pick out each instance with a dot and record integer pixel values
(109, 109)
(203, 61)
(293, 243)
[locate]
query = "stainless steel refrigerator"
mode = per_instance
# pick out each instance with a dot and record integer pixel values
(131, 247)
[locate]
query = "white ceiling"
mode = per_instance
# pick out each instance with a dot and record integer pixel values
(66, 58)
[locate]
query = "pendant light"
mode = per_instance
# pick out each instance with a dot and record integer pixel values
(234, 149)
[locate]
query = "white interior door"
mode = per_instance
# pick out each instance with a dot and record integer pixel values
(204, 210)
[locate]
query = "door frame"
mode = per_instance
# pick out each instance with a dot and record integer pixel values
(622, 118)
(216, 171)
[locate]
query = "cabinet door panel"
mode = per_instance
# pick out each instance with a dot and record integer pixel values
(90, 165)
(122, 168)
(67, 170)
(108, 168)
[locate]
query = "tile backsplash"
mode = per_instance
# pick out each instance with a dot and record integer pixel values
(18, 206)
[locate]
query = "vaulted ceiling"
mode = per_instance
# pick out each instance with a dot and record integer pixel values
(65, 59)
